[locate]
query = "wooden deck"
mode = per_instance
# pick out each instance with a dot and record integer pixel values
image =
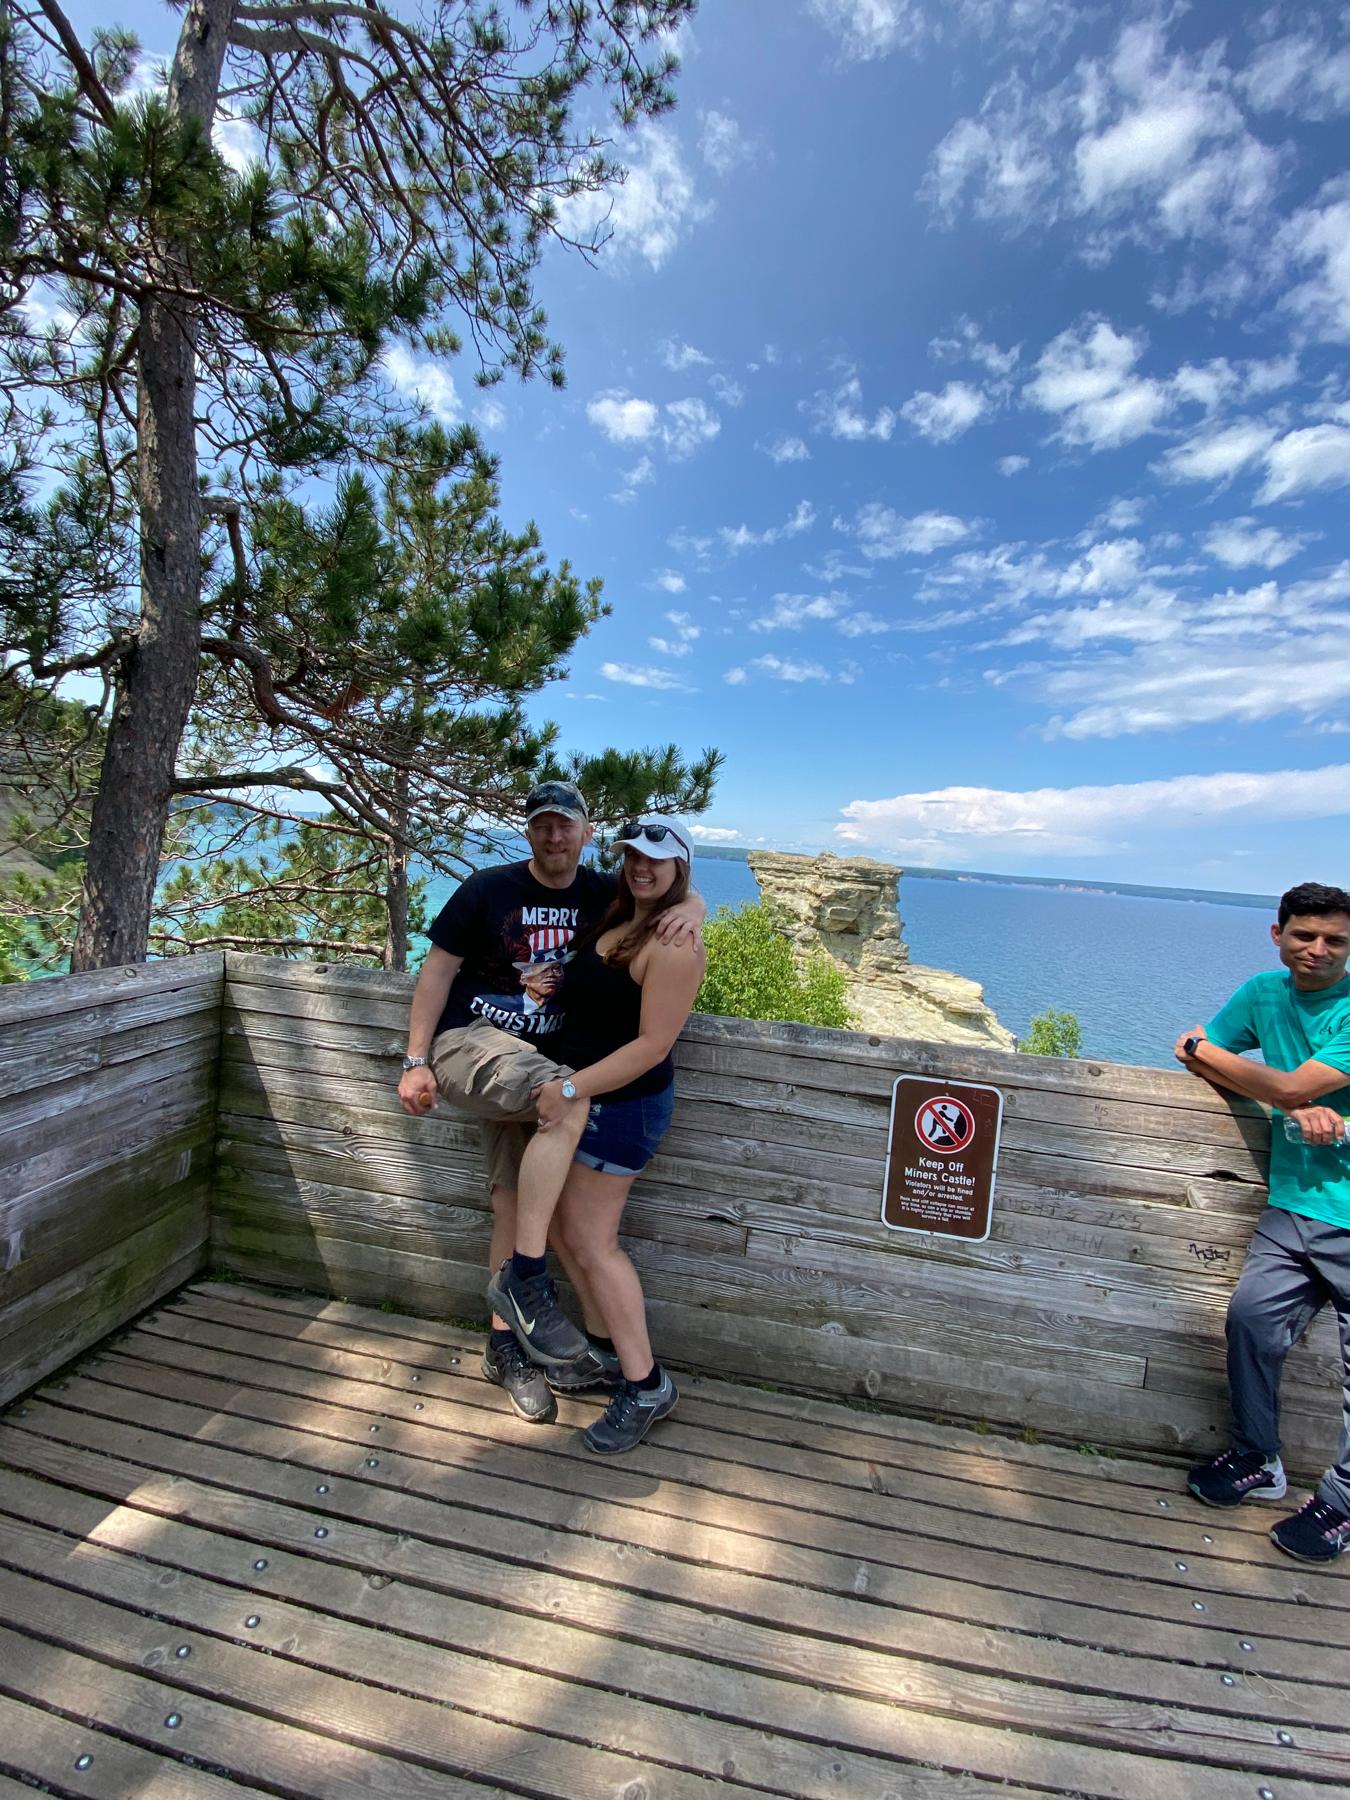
(291, 1547)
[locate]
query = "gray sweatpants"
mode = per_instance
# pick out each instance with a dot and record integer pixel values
(1295, 1266)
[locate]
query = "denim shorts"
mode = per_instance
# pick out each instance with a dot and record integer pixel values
(622, 1136)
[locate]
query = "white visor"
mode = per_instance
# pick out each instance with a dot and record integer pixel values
(656, 838)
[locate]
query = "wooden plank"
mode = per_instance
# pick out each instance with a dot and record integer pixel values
(868, 1438)
(252, 1746)
(359, 1054)
(49, 1325)
(1066, 1731)
(392, 1735)
(783, 1417)
(196, 1333)
(819, 1360)
(22, 1001)
(30, 1057)
(702, 1162)
(100, 1153)
(48, 1748)
(210, 1343)
(1036, 1598)
(43, 1237)
(799, 1127)
(436, 1617)
(132, 1084)
(687, 1452)
(435, 1670)
(252, 1193)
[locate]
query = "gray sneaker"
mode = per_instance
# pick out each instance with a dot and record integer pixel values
(507, 1366)
(530, 1307)
(630, 1415)
(596, 1369)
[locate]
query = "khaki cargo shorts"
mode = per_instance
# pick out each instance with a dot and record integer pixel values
(487, 1072)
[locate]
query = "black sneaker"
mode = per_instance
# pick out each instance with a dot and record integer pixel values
(596, 1369)
(507, 1366)
(530, 1307)
(630, 1415)
(1237, 1475)
(1317, 1532)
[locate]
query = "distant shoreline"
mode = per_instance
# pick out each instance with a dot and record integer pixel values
(1061, 884)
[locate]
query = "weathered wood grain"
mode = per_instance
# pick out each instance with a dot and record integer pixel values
(22, 1001)
(840, 1671)
(47, 1326)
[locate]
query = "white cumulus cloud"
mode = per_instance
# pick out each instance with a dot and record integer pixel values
(622, 417)
(883, 533)
(428, 382)
(1086, 378)
(1242, 543)
(793, 611)
(648, 216)
(1081, 819)
(841, 413)
(1305, 461)
(632, 675)
(866, 29)
(786, 450)
(945, 416)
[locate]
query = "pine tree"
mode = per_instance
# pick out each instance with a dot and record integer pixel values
(377, 653)
(171, 331)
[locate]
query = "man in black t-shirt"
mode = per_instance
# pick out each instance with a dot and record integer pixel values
(491, 996)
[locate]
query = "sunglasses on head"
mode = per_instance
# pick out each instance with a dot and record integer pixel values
(654, 834)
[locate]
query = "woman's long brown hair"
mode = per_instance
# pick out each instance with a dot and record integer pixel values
(622, 910)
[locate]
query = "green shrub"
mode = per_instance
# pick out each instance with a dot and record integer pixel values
(752, 973)
(1053, 1033)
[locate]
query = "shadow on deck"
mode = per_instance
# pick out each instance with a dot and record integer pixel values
(287, 1546)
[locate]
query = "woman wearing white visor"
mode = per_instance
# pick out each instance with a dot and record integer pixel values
(628, 996)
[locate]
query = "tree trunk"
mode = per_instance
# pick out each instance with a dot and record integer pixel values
(156, 682)
(396, 881)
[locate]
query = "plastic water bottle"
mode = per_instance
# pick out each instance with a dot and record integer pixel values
(1339, 1146)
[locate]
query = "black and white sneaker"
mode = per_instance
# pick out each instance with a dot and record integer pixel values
(506, 1366)
(1237, 1475)
(596, 1369)
(530, 1307)
(1317, 1532)
(630, 1415)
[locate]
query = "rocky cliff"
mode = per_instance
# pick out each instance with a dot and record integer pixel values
(846, 906)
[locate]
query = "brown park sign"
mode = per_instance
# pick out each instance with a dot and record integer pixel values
(940, 1158)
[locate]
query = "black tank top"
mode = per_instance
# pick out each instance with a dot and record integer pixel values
(604, 1012)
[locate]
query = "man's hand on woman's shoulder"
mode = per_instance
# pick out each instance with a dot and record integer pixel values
(682, 924)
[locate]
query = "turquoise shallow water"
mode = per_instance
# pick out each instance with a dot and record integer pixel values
(1136, 971)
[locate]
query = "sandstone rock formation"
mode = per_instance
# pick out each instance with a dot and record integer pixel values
(846, 906)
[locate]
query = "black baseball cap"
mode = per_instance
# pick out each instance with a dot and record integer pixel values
(556, 797)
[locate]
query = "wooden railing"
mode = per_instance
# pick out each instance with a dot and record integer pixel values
(1094, 1313)
(107, 1137)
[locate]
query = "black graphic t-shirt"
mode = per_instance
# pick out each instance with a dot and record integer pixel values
(515, 936)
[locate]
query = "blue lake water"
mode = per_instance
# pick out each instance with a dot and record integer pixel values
(1136, 971)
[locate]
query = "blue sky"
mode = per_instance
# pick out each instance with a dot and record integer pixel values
(959, 419)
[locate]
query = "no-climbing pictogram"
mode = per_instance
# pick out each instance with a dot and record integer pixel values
(945, 1124)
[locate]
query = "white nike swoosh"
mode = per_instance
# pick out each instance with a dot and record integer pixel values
(526, 1325)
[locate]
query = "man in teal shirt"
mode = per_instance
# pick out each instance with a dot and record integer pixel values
(1299, 1257)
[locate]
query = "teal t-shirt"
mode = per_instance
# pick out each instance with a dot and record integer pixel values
(1269, 1014)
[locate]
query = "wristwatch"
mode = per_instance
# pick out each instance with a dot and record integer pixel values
(1191, 1046)
(414, 1062)
(569, 1088)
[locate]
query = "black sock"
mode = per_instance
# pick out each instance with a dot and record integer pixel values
(652, 1381)
(597, 1342)
(499, 1339)
(527, 1266)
